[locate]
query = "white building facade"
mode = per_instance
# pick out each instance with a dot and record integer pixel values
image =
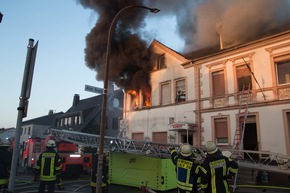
(195, 100)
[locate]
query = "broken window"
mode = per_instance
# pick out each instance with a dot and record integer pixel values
(180, 90)
(243, 77)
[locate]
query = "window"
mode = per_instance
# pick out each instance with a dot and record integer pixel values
(283, 69)
(221, 130)
(180, 90)
(218, 83)
(69, 121)
(115, 123)
(161, 62)
(138, 136)
(134, 99)
(243, 77)
(159, 137)
(76, 120)
(165, 93)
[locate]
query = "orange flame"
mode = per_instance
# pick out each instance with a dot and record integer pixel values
(136, 100)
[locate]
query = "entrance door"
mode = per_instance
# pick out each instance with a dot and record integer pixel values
(184, 138)
(250, 135)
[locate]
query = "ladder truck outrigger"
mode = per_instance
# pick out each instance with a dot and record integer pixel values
(269, 161)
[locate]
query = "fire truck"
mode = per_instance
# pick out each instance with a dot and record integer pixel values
(135, 162)
(74, 162)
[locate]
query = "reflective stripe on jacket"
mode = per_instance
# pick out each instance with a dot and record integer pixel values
(186, 170)
(213, 174)
(4, 181)
(48, 165)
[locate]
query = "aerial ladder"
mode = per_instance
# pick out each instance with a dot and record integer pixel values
(269, 161)
(272, 162)
(152, 149)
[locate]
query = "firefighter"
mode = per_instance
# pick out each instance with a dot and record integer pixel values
(187, 169)
(105, 176)
(48, 167)
(215, 170)
(5, 163)
(59, 178)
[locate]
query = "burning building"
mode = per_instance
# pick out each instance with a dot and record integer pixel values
(198, 90)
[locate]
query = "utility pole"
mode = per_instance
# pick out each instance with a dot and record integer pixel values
(23, 106)
(105, 92)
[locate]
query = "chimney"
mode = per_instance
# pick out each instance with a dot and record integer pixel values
(76, 99)
(50, 112)
(221, 42)
(219, 27)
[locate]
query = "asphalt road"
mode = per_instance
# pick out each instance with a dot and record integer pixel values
(24, 184)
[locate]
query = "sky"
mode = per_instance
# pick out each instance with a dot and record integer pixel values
(60, 27)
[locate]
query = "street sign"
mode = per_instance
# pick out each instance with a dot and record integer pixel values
(94, 89)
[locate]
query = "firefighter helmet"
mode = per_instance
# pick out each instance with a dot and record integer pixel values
(4, 143)
(210, 147)
(50, 143)
(185, 150)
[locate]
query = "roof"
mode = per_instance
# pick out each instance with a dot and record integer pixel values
(87, 103)
(89, 109)
(44, 120)
(167, 49)
(5, 130)
(215, 50)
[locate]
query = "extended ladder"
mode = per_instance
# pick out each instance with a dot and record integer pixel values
(240, 127)
(116, 144)
(268, 161)
(241, 122)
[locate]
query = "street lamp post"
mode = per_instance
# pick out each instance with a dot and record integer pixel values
(105, 94)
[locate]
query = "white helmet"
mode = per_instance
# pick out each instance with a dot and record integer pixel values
(50, 143)
(210, 147)
(185, 150)
(4, 143)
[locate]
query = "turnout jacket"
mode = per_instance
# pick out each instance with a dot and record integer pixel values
(215, 171)
(48, 165)
(187, 170)
(5, 162)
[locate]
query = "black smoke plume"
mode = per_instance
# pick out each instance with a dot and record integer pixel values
(199, 24)
(129, 57)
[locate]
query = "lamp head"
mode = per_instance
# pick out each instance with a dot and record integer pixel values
(154, 10)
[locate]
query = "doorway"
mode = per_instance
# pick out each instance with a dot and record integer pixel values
(250, 134)
(184, 138)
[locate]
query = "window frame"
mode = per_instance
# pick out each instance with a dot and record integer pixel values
(276, 57)
(160, 62)
(244, 66)
(227, 120)
(280, 59)
(161, 92)
(212, 82)
(183, 92)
